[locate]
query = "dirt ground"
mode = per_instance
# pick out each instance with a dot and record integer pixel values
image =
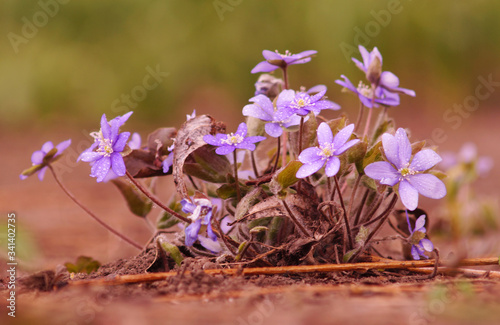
(53, 231)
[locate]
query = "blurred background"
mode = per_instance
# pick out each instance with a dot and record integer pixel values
(65, 63)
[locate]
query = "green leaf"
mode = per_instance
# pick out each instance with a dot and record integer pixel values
(208, 165)
(138, 203)
(84, 264)
(349, 254)
(374, 154)
(382, 128)
(33, 169)
(255, 126)
(247, 202)
(362, 235)
(167, 220)
(172, 250)
(285, 177)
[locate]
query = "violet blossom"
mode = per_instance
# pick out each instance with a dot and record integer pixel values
(275, 60)
(372, 66)
(227, 143)
(329, 147)
(302, 102)
(419, 244)
(277, 118)
(200, 212)
(367, 96)
(109, 145)
(43, 157)
(409, 173)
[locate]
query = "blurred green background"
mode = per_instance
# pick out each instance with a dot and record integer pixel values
(77, 59)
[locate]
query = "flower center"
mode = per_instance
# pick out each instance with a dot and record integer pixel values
(232, 139)
(105, 145)
(287, 53)
(301, 102)
(365, 90)
(327, 150)
(406, 171)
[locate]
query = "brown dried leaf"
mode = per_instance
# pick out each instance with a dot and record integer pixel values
(189, 138)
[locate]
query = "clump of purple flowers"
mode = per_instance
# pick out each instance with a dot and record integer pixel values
(105, 154)
(276, 203)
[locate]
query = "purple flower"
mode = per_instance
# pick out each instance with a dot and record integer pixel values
(410, 175)
(468, 156)
(200, 210)
(263, 109)
(304, 102)
(227, 143)
(42, 158)
(275, 60)
(372, 66)
(135, 141)
(268, 85)
(326, 153)
(419, 244)
(366, 95)
(109, 144)
(167, 162)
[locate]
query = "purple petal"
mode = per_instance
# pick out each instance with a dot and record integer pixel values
(427, 244)
(270, 55)
(414, 253)
(273, 129)
(135, 141)
(346, 83)
(325, 135)
(105, 127)
(307, 53)
(187, 206)
(41, 173)
(310, 155)
(264, 66)
(121, 141)
(210, 139)
(257, 112)
(365, 55)
(390, 145)
(246, 145)
(168, 162)
(309, 169)
(211, 244)
(404, 147)
(191, 232)
(37, 157)
(343, 135)
(89, 156)
(316, 89)
(409, 195)
(428, 185)
(242, 130)
(420, 223)
(254, 139)
(389, 80)
(326, 104)
(382, 171)
(359, 64)
(284, 98)
(332, 166)
(117, 164)
(424, 160)
(405, 91)
(346, 146)
(63, 146)
(47, 146)
(100, 168)
(224, 150)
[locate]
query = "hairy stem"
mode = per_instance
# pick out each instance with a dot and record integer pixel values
(91, 214)
(294, 219)
(238, 192)
(277, 155)
(254, 165)
(360, 116)
(346, 220)
(155, 199)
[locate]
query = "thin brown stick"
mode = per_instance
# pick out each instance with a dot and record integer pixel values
(155, 199)
(295, 220)
(365, 266)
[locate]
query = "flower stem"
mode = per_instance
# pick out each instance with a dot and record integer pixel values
(277, 155)
(155, 200)
(301, 130)
(285, 77)
(368, 120)
(238, 192)
(294, 219)
(285, 141)
(360, 116)
(254, 165)
(346, 220)
(91, 214)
